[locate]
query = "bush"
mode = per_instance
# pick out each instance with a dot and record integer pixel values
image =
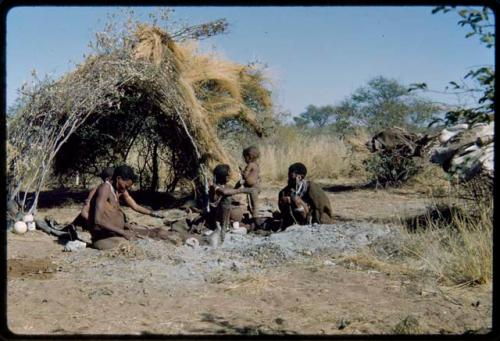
(391, 168)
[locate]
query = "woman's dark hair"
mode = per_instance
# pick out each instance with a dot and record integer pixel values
(107, 173)
(298, 168)
(125, 172)
(221, 171)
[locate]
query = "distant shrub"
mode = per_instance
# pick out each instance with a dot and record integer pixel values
(392, 168)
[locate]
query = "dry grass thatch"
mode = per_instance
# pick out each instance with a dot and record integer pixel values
(148, 78)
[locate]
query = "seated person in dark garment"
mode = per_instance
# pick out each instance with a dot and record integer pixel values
(302, 201)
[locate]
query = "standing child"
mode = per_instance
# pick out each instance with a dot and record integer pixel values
(251, 180)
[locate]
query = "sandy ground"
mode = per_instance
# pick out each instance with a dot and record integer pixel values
(294, 282)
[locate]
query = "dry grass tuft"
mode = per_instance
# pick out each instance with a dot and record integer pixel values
(408, 325)
(460, 252)
(254, 283)
(126, 250)
(432, 181)
(325, 156)
(369, 260)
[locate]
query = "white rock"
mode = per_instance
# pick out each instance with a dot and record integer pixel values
(74, 245)
(193, 242)
(448, 133)
(472, 148)
(20, 227)
(487, 159)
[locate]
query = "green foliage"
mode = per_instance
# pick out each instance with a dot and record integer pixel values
(317, 116)
(482, 78)
(391, 168)
(385, 103)
(381, 104)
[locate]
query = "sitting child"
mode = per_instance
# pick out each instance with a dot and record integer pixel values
(221, 205)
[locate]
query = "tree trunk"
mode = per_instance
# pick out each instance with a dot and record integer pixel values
(155, 176)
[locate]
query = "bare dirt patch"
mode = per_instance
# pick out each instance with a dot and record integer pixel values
(36, 268)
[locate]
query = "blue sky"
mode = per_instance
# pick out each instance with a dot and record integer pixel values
(315, 55)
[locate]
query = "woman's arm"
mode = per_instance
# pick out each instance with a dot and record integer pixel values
(232, 191)
(133, 205)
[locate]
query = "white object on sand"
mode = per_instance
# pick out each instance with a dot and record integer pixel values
(193, 242)
(20, 227)
(28, 218)
(74, 245)
(448, 133)
(239, 230)
(31, 226)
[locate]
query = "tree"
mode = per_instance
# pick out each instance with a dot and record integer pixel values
(479, 81)
(317, 116)
(386, 103)
(381, 104)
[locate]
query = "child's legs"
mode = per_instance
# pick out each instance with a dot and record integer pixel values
(225, 208)
(254, 205)
(253, 201)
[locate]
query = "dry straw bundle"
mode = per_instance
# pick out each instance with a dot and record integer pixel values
(147, 78)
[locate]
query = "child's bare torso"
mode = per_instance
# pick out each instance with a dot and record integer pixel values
(251, 175)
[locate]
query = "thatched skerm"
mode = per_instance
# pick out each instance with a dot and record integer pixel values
(150, 89)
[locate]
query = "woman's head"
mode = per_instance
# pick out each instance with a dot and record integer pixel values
(296, 173)
(123, 178)
(107, 174)
(221, 173)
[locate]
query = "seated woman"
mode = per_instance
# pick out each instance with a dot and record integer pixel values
(302, 201)
(106, 221)
(106, 175)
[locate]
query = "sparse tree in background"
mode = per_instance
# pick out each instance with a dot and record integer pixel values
(385, 103)
(318, 117)
(381, 104)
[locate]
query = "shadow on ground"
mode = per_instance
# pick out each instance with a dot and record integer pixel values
(441, 215)
(349, 187)
(154, 200)
(223, 326)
